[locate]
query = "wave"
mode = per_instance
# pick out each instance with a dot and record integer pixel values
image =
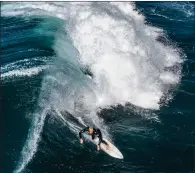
(19, 68)
(112, 41)
(33, 138)
(23, 72)
(177, 11)
(186, 8)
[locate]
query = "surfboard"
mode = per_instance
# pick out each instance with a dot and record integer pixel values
(111, 150)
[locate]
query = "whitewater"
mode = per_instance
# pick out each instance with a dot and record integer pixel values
(127, 61)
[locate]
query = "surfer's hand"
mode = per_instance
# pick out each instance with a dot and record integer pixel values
(81, 140)
(98, 147)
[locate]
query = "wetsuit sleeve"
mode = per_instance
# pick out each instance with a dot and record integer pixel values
(82, 131)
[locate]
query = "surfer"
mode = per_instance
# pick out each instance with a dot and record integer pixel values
(94, 133)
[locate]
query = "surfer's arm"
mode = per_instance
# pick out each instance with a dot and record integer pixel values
(82, 131)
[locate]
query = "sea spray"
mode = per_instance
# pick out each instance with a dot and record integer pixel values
(127, 62)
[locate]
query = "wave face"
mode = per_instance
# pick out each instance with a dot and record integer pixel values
(91, 56)
(116, 45)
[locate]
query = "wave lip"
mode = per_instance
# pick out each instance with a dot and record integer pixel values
(123, 54)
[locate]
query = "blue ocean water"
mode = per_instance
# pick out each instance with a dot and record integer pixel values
(126, 68)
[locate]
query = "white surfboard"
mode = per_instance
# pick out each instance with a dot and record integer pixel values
(111, 150)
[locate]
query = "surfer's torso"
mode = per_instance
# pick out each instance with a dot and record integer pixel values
(94, 133)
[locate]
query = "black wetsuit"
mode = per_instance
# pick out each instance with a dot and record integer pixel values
(96, 133)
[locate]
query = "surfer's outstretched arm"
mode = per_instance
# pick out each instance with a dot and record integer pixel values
(82, 131)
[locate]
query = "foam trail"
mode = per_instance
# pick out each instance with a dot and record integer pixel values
(23, 63)
(127, 62)
(30, 147)
(73, 127)
(23, 72)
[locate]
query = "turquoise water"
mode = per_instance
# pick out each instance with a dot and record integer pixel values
(125, 68)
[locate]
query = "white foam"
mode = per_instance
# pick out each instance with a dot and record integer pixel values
(30, 146)
(122, 52)
(24, 62)
(169, 78)
(23, 72)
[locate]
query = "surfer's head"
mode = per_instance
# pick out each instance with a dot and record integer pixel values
(90, 130)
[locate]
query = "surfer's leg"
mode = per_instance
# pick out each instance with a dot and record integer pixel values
(93, 136)
(101, 139)
(104, 142)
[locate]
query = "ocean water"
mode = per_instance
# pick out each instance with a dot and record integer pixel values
(126, 68)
